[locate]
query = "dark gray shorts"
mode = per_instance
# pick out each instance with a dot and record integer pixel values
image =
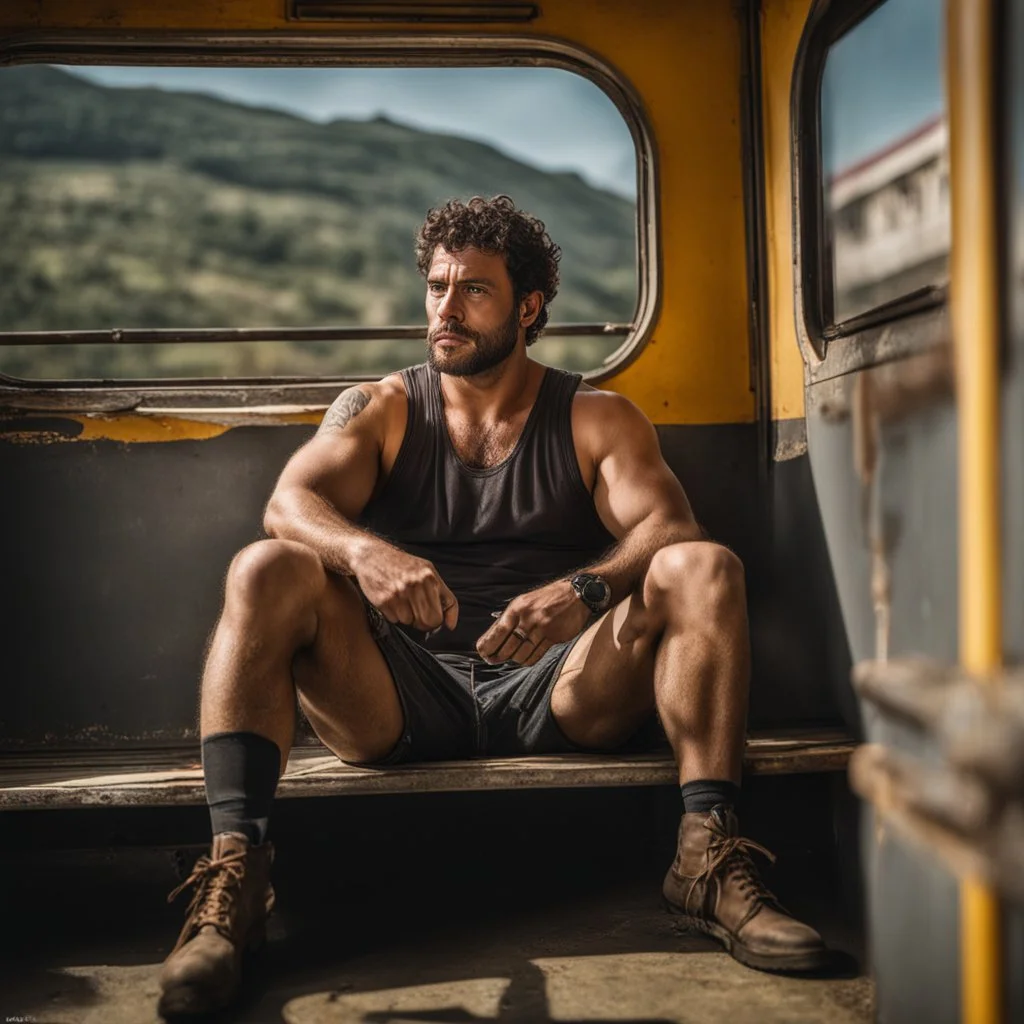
(457, 706)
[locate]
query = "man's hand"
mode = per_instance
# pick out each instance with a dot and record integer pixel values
(407, 589)
(532, 622)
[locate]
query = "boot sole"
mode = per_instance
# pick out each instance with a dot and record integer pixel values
(808, 960)
(194, 1001)
(189, 1001)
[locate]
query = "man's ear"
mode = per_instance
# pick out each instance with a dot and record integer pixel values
(530, 307)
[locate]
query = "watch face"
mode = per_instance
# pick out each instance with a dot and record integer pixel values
(594, 592)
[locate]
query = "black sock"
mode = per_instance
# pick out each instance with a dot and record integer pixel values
(241, 770)
(703, 794)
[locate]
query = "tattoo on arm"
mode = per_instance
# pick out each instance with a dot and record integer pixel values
(349, 404)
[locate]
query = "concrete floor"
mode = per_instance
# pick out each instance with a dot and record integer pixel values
(518, 907)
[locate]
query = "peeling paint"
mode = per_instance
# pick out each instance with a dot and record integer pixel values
(34, 437)
(790, 439)
(868, 453)
(153, 426)
(146, 429)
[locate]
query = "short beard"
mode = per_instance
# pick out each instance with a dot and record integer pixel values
(489, 350)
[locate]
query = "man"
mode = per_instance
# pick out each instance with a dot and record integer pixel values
(477, 556)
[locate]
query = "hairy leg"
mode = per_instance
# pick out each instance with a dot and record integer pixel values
(690, 659)
(287, 624)
(287, 627)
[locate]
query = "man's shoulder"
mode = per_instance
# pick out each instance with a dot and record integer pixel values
(392, 400)
(386, 393)
(379, 404)
(390, 388)
(590, 403)
(602, 420)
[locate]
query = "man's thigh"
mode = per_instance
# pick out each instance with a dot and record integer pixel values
(604, 692)
(344, 684)
(374, 696)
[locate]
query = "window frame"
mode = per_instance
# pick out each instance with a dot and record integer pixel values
(291, 49)
(909, 324)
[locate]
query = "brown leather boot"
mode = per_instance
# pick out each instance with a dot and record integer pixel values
(714, 885)
(228, 914)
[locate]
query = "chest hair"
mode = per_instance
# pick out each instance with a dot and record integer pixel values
(482, 447)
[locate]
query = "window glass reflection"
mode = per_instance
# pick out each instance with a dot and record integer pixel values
(885, 157)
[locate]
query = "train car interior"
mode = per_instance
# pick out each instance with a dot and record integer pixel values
(791, 234)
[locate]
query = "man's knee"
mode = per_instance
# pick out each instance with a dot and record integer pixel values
(279, 574)
(696, 572)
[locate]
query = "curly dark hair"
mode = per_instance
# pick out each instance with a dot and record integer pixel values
(496, 227)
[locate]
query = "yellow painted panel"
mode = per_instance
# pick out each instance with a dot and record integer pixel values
(145, 428)
(686, 65)
(175, 428)
(684, 60)
(974, 315)
(781, 29)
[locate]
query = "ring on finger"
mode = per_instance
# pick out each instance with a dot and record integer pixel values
(521, 636)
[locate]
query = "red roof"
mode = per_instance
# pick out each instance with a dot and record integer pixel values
(880, 154)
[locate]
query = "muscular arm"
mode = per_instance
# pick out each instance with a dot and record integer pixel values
(327, 483)
(640, 502)
(637, 496)
(324, 489)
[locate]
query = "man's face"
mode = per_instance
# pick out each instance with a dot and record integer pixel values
(472, 320)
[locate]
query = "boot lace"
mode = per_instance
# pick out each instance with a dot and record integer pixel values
(732, 855)
(217, 884)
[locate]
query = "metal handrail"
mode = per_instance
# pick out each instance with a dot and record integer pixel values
(169, 335)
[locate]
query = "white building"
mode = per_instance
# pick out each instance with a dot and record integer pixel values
(890, 220)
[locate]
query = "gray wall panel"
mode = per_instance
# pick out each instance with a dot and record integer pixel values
(908, 501)
(114, 557)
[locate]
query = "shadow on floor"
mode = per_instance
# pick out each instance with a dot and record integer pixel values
(387, 893)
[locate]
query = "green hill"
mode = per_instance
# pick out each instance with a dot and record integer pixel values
(146, 208)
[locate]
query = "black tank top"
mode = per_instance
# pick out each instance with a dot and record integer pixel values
(492, 534)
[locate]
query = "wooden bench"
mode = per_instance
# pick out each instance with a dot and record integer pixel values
(164, 778)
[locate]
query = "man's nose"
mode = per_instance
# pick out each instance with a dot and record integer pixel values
(449, 307)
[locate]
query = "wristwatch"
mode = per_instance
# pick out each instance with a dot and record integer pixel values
(594, 591)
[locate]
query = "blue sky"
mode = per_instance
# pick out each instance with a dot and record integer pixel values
(882, 80)
(543, 116)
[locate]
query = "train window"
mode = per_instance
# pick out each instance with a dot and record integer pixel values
(204, 200)
(884, 160)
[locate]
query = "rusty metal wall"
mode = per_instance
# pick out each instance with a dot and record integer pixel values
(882, 446)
